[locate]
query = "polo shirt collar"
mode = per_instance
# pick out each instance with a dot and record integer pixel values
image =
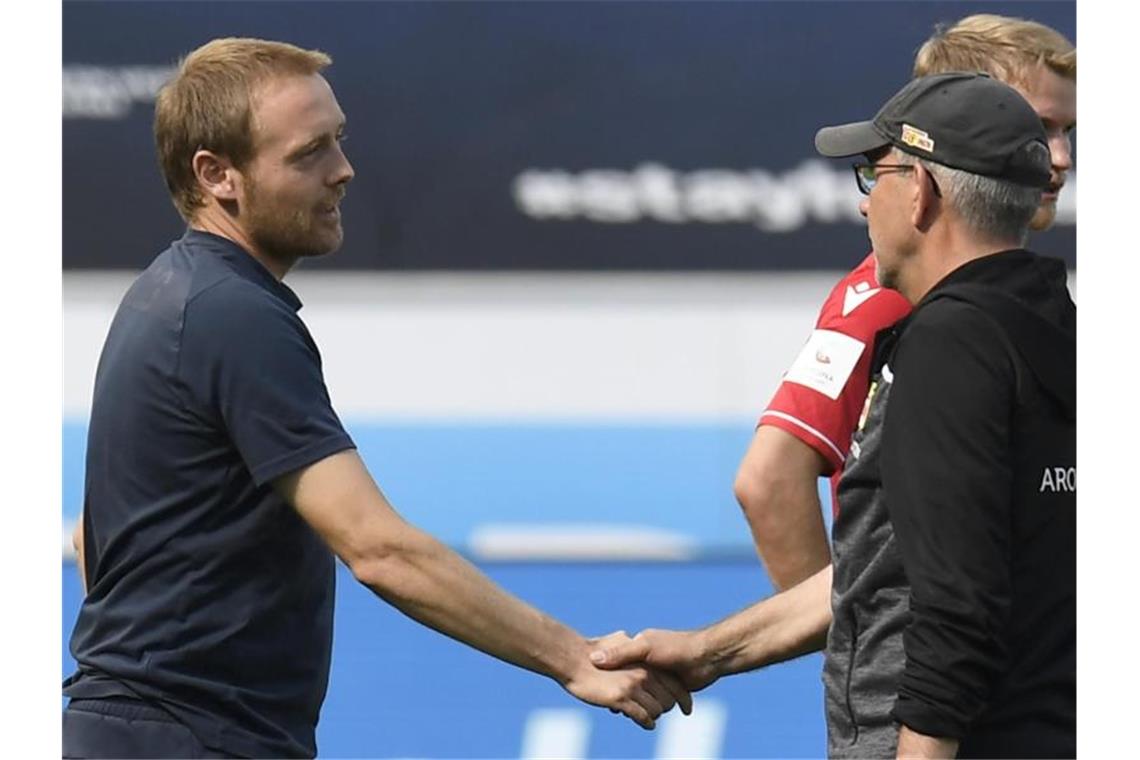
(242, 262)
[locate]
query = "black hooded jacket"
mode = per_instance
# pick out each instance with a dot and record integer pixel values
(954, 585)
(978, 468)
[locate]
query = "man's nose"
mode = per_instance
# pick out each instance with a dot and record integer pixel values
(344, 172)
(1061, 153)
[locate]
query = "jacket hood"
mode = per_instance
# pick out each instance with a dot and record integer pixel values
(1028, 296)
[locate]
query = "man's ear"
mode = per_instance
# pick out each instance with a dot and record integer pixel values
(216, 175)
(924, 200)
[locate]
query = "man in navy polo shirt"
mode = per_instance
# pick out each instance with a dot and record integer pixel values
(220, 482)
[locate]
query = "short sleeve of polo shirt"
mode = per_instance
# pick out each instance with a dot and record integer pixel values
(822, 394)
(252, 369)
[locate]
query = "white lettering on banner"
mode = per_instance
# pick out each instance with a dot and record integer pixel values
(1059, 480)
(109, 92)
(556, 733)
(698, 735)
(814, 190)
(565, 733)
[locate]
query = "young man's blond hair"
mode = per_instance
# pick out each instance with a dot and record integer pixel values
(1009, 49)
(207, 105)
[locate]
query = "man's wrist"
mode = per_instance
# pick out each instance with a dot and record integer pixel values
(717, 649)
(566, 660)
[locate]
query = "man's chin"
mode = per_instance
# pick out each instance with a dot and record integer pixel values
(326, 245)
(1043, 217)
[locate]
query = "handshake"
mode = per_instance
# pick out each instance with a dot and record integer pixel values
(645, 676)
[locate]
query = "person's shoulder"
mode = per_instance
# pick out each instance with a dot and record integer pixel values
(217, 285)
(947, 332)
(947, 316)
(226, 302)
(160, 291)
(859, 306)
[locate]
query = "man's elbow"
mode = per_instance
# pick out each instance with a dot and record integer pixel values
(368, 567)
(371, 561)
(778, 493)
(387, 564)
(777, 482)
(759, 494)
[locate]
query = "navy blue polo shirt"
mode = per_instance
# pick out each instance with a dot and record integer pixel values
(207, 592)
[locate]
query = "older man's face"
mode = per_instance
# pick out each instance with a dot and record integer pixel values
(887, 217)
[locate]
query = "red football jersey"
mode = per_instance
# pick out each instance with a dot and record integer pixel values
(821, 396)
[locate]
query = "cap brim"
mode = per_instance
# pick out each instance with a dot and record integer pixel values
(849, 140)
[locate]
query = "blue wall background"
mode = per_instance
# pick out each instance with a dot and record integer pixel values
(453, 479)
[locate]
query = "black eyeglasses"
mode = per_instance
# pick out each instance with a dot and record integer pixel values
(866, 175)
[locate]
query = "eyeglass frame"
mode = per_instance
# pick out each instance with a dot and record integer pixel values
(865, 185)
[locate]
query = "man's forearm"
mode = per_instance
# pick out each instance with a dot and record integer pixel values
(787, 528)
(434, 585)
(419, 575)
(777, 487)
(787, 625)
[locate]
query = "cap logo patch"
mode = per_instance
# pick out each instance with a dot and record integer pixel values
(916, 138)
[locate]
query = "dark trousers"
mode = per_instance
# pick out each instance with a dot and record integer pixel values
(126, 728)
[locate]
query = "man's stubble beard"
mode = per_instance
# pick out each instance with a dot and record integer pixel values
(1043, 217)
(886, 279)
(286, 235)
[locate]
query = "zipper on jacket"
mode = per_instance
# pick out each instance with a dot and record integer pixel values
(850, 676)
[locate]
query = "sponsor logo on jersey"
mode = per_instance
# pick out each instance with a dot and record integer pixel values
(826, 361)
(1059, 480)
(857, 295)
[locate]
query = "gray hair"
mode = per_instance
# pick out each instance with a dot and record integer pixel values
(993, 208)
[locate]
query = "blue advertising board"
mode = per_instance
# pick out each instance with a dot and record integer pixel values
(532, 136)
(662, 491)
(399, 690)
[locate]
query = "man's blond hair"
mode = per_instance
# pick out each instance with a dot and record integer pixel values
(207, 104)
(1006, 48)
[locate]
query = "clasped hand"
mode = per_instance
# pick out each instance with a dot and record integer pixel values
(681, 653)
(639, 691)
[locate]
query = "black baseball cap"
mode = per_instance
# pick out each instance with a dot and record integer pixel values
(963, 120)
